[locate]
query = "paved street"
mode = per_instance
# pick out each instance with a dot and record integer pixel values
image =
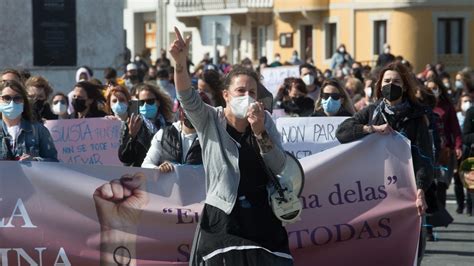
(455, 245)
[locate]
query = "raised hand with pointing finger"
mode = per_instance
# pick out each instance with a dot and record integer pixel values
(179, 49)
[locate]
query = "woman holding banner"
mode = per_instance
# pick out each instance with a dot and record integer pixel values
(397, 109)
(21, 138)
(237, 225)
(175, 144)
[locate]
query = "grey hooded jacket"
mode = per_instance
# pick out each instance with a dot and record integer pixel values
(220, 152)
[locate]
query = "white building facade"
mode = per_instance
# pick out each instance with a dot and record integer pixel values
(251, 26)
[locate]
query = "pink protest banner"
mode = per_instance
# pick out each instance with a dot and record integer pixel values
(86, 141)
(358, 199)
(359, 205)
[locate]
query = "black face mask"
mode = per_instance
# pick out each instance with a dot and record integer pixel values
(392, 92)
(187, 123)
(79, 105)
(298, 100)
(38, 105)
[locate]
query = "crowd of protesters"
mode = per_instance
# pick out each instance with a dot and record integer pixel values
(431, 108)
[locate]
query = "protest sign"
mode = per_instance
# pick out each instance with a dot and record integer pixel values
(304, 136)
(86, 141)
(273, 77)
(353, 206)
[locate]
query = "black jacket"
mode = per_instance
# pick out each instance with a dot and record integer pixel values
(43, 112)
(172, 148)
(413, 123)
(468, 133)
(132, 151)
(91, 114)
(302, 106)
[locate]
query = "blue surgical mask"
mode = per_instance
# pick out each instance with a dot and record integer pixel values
(149, 110)
(163, 83)
(330, 105)
(119, 108)
(11, 110)
(459, 85)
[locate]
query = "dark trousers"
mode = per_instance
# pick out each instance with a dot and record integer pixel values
(460, 196)
(422, 241)
(459, 190)
(469, 205)
(441, 189)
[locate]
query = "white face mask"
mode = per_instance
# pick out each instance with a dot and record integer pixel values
(465, 106)
(240, 104)
(345, 71)
(308, 79)
(368, 92)
(436, 92)
(342, 50)
(59, 108)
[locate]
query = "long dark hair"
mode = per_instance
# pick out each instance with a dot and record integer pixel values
(20, 89)
(213, 79)
(443, 97)
(409, 82)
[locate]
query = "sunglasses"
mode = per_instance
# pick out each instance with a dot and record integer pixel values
(335, 96)
(148, 101)
(9, 98)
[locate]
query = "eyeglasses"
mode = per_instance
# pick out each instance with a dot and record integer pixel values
(335, 96)
(59, 101)
(9, 98)
(147, 101)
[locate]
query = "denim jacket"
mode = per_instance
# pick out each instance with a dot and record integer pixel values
(34, 139)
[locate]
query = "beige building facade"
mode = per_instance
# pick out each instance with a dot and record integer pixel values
(423, 31)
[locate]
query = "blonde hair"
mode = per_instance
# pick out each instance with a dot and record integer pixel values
(39, 82)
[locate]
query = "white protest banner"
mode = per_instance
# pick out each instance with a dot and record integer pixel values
(86, 141)
(273, 77)
(304, 136)
(49, 212)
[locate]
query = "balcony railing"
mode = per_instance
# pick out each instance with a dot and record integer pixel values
(202, 5)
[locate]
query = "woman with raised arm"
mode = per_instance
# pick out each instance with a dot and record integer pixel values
(237, 225)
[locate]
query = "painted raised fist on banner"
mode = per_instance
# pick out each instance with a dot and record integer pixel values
(120, 202)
